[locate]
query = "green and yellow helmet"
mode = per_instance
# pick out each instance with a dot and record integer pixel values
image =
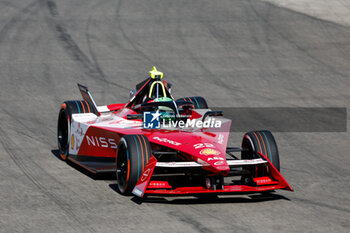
(157, 85)
(166, 113)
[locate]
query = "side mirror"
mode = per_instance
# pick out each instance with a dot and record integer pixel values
(212, 113)
(169, 87)
(132, 93)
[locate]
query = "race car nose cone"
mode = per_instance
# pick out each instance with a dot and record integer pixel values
(223, 168)
(219, 166)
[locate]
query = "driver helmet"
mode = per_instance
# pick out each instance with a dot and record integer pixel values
(167, 113)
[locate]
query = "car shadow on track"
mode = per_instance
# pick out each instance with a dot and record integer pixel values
(210, 199)
(101, 176)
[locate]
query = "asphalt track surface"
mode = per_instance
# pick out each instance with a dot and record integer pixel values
(234, 53)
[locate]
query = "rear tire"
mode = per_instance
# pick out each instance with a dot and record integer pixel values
(198, 102)
(64, 120)
(262, 141)
(134, 152)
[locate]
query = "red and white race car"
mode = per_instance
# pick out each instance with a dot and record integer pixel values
(161, 146)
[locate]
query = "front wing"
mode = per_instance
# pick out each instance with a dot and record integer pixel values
(274, 180)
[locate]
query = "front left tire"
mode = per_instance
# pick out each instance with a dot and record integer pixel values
(134, 152)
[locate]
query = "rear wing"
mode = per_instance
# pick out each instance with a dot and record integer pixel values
(88, 97)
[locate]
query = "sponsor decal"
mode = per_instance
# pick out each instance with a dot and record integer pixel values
(137, 192)
(209, 151)
(221, 138)
(151, 120)
(72, 141)
(203, 145)
(101, 142)
(145, 174)
(77, 144)
(168, 141)
(218, 163)
(216, 158)
(115, 122)
(223, 167)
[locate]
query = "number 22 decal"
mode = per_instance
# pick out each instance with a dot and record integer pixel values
(203, 145)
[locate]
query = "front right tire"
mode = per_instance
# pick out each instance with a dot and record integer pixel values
(198, 102)
(262, 141)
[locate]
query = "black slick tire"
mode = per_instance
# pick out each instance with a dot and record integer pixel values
(262, 141)
(198, 102)
(64, 121)
(133, 154)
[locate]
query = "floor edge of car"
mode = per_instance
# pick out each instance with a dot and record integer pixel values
(95, 166)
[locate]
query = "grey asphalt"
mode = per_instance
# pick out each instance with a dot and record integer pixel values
(234, 53)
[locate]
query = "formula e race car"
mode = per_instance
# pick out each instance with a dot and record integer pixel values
(161, 146)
